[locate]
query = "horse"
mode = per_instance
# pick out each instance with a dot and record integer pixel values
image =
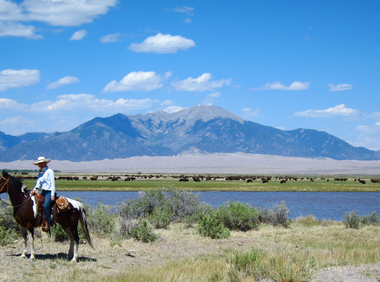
(27, 215)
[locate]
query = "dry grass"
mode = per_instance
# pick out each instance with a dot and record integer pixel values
(182, 255)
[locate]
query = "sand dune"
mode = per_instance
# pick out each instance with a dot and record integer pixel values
(213, 163)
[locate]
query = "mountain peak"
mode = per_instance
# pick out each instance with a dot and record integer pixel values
(206, 113)
(199, 112)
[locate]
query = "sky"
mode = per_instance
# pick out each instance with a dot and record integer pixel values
(286, 64)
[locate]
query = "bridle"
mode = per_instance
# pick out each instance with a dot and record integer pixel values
(6, 183)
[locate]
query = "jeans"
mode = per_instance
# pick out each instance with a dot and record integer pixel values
(47, 204)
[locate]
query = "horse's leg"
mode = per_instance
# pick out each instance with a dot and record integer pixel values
(76, 239)
(74, 243)
(24, 235)
(31, 231)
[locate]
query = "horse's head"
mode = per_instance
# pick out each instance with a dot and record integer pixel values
(4, 182)
(7, 182)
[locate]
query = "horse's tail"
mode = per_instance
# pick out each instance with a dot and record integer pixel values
(83, 222)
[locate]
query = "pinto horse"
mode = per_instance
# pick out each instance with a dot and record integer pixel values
(25, 211)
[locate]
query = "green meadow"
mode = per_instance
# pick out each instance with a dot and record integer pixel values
(320, 183)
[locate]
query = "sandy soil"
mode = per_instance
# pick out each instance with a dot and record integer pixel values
(109, 261)
(236, 163)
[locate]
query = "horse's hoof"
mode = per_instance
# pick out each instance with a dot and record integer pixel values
(23, 256)
(74, 260)
(32, 258)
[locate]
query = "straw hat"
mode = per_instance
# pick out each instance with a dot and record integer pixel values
(41, 160)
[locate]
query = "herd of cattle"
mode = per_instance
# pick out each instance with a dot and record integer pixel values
(199, 178)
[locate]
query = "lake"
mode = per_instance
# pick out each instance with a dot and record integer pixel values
(322, 205)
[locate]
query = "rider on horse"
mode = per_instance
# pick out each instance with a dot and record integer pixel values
(46, 183)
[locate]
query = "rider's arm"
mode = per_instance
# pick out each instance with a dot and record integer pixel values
(51, 181)
(36, 187)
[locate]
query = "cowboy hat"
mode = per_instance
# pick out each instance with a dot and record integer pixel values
(41, 160)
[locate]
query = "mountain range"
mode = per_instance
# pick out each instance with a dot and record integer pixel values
(200, 129)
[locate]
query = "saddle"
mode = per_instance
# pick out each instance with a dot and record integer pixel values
(60, 205)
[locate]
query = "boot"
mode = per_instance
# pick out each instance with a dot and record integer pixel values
(45, 226)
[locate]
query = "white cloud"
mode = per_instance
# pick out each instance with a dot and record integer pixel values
(364, 128)
(214, 95)
(110, 38)
(78, 35)
(297, 85)
(52, 12)
(184, 9)
(55, 12)
(75, 102)
(18, 78)
(339, 87)
(173, 109)
(374, 115)
(9, 104)
(15, 121)
(200, 83)
(18, 30)
(10, 11)
(63, 81)
(167, 103)
(78, 102)
(367, 136)
(146, 81)
(209, 100)
(369, 128)
(339, 110)
(162, 43)
(187, 20)
(249, 113)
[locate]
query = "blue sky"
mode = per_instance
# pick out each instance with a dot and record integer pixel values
(285, 64)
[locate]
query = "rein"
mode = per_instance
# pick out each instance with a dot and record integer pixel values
(6, 183)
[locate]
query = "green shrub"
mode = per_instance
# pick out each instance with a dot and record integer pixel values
(210, 226)
(142, 206)
(7, 236)
(58, 234)
(160, 218)
(6, 217)
(190, 220)
(101, 220)
(185, 204)
(142, 232)
(8, 225)
(238, 216)
(371, 219)
(182, 205)
(278, 216)
(352, 220)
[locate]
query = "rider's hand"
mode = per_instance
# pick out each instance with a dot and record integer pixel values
(32, 192)
(52, 198)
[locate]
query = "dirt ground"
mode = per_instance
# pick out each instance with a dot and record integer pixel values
(111, 259)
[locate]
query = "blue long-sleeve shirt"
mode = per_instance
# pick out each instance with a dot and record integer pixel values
(46, 181)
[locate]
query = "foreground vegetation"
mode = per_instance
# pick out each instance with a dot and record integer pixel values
(255, 243)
